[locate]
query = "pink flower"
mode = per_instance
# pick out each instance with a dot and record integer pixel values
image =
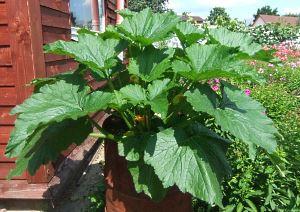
(294, 65)
(215, 88)
(271, 65)
(247, 92)
(253, 63)
(217, 81)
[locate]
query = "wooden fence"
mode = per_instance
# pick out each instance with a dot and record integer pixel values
(25, 25)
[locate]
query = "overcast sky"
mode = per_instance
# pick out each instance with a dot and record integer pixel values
(241, 9)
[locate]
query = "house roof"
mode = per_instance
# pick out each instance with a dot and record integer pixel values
(286, 20)
(198, 19)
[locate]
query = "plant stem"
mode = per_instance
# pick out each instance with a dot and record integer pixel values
(112, 88)
(102, 133)
(103, 136)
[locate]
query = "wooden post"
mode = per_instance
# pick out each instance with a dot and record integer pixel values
(120, 6)
(95, 15)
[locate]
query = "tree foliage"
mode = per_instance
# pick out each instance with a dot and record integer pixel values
(216, 13)
(155, 5)
(266, 10)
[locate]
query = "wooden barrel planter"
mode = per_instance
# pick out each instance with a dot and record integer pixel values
(120, 192)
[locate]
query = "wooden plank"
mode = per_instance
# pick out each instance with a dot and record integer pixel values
(20, 189)
(5, 117)
(7, 76)
(43, 175)
(5, 56)
(2, 154)
(114, 2)
(55, 18)
(8, 96)
(111, 5)
(26, 43)
(111, 14)
(54, 57)
(4, 133)
(57, 67)
(3, 13)
(4, 36)
(60, 5)
(52, 34)
(5, 169)
(72, 167)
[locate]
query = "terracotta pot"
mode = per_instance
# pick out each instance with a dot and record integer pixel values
(121, 195)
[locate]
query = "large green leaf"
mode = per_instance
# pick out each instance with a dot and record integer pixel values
(188, 33)
(150, 63)
(194, 162)
(53, 103)
(236, 113)
(145, 180)
(132, 147)
(48, 142)
(147, 27)
(244, 42)
(135, 94)
(155, 96)
(213, 61)
(158, 97)
(91, 50)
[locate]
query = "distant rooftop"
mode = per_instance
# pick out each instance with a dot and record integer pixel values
(285, 20)
(197, 19)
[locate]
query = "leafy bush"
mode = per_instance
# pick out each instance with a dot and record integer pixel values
(267, 34)
(97, 200)
(273, 33)
(259, 184)
(163, 98)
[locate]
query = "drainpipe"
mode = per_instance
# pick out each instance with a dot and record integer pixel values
(120, 6)
(102, 16)
(95, 15)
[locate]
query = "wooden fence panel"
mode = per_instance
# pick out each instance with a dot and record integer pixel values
(5, 117)
(7, 76)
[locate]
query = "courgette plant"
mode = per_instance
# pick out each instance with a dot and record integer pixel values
(161, 94)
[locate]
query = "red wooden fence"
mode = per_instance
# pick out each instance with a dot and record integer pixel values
(25, 25)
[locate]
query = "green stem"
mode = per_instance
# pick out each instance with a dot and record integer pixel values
(103, 136)
(112, 88)
(169, 116)
(102, 133)
(174, 77)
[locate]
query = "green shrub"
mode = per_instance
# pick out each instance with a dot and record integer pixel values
(162, 96)
(273, 33)
(259, 185)
(267, 34)
(259, 181)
